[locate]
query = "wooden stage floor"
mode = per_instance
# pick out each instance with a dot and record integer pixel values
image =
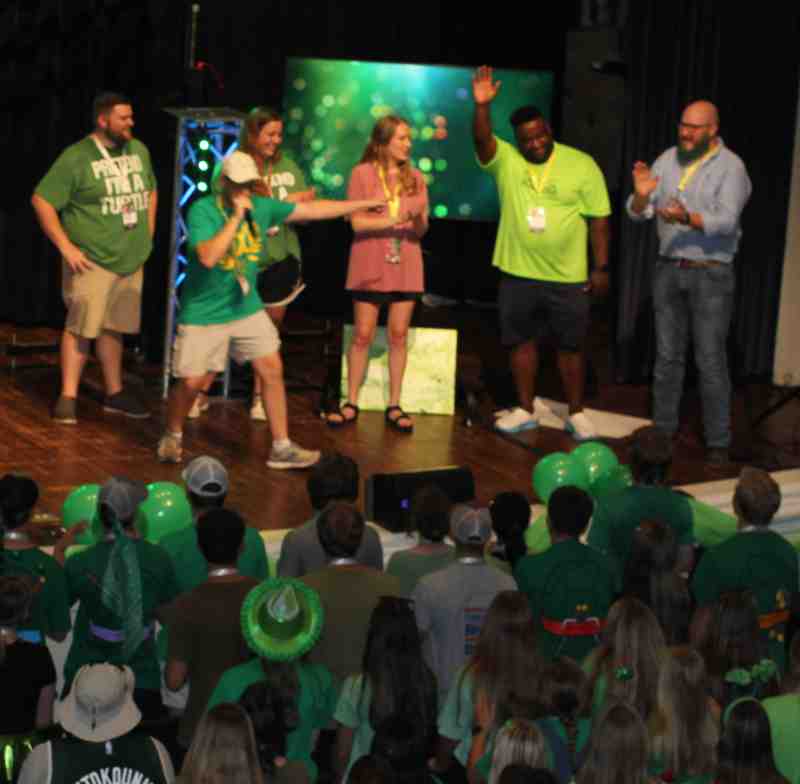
(60, 457)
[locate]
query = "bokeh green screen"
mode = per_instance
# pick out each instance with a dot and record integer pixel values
(331, 106)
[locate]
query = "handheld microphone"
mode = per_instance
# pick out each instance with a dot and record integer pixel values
(248, 216)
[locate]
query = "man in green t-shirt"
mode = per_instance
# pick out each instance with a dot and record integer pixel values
(755, 558)
(97, 205)
(221, 311)
(552, 198)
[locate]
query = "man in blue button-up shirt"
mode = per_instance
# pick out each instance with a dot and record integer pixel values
(696, 191)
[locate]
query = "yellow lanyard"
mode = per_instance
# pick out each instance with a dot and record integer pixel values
(537, 182)
(689, 171)
(244, 245)
(393, 199)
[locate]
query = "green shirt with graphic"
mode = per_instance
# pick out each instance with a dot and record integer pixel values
(571, 188)
(215, 295)
(91, 193)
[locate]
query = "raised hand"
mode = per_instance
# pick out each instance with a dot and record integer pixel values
(484, 88)
(644, 183)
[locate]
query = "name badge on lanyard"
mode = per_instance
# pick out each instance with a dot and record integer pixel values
(537, 219)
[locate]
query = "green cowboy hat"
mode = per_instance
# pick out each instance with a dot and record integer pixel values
(282, 619)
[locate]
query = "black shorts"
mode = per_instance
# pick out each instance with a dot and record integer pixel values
(535, 309)
(385, 297)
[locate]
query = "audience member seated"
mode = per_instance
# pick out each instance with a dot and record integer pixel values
(394, 680)
(333, 478)
(282, 621)
(27, 674)
(349, 591)
(119, 583)
(627, 663)
(504, 671)
(570, 585)
(273, 714)
(518, 741)
(206, 482)
(205, 637)
(430, 516)
(618, 749)
(736, 656)
(618, 515)
(685, 732)
(511, 516)
(755, 558)
(100, 715)
(450, 604)
(223, 750)
(567, 724)
(746, 746)
(651, 575)
(49, 611)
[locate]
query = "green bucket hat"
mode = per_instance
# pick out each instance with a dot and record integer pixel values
(282, 619)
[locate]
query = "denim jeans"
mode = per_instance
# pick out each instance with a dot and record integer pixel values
(700, 301)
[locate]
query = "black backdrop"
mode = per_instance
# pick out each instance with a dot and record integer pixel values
(56, 54)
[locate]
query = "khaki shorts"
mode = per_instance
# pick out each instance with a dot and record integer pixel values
(204, 348)
(99, 299)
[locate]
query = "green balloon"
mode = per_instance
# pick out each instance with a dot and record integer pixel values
(165, 510)
(556, 470)
(613, 482)
(598, 459)
(80, 505)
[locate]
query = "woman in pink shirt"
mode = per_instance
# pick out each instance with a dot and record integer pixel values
(385, 261)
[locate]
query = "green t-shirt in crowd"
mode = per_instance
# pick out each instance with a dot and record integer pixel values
(616, 518)
(49, 613)
(216, 295)
(91, 193)
(784, 718)
(191, 568)
(284, 178)
(568, 581)
(84, 572)
(456, 716)
(315, 704)
(759, 560)
(572, 189)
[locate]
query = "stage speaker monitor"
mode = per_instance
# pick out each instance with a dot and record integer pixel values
(388, 496)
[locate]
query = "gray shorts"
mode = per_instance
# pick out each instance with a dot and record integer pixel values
(204, 348)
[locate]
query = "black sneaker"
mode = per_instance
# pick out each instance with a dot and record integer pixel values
(64, 411)
(125, 403)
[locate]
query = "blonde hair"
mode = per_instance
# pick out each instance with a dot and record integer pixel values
(518, 741)
(223, 749)
(686, 734)
(630, 655)
(618, 748)
(376, 151)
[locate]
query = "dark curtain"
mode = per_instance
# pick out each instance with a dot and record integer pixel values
(744, 59)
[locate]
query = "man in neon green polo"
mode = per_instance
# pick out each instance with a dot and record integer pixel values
(553, 201)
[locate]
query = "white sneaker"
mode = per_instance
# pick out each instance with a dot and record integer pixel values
(580, 427)
(170, 449)
(201, 404)
(516, 420)
(541, 409)
(257, 411)
(292, 456)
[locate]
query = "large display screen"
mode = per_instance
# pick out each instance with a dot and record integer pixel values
(331, 106)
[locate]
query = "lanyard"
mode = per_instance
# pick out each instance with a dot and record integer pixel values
(537, 182)
(243, 243)
(393, 199)
(689, 171)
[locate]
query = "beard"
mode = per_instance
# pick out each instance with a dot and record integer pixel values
(700, 148)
